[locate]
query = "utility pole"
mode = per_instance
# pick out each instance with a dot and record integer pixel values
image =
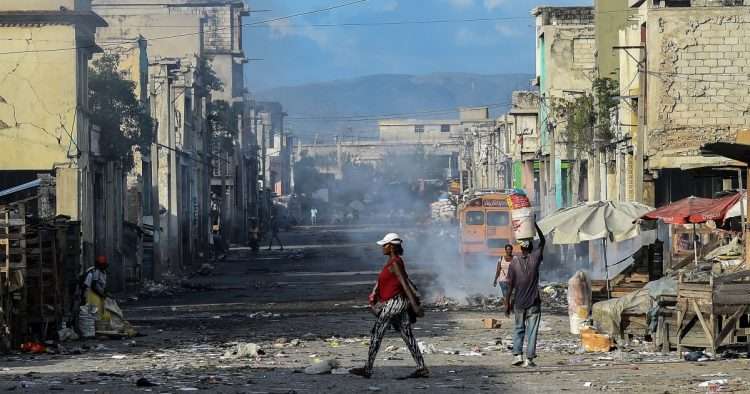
(638, 154)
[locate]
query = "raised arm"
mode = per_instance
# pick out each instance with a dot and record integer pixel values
(542, 240)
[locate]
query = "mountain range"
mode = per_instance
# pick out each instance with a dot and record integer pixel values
(351, 107)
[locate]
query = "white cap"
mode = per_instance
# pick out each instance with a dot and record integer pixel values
(390, 238)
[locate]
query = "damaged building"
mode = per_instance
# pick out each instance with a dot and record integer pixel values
(565, 47)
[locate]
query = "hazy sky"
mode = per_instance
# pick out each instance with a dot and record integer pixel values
(295, 52)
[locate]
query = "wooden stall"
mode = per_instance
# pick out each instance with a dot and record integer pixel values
(39, 265)
(714, 313)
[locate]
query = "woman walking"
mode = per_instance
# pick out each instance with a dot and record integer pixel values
(391, 300)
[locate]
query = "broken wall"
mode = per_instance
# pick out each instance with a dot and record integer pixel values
(39, 95)
(699, 77)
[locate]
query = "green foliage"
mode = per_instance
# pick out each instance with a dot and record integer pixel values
(209, 82)
(123, 120)
(586, 118)
(307, 179)
(606, 91)
(222, 123)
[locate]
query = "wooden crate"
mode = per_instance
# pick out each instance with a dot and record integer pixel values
(713, 314)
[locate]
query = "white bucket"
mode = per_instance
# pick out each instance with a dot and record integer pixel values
(523, 223)
(87, 321)
(576, 322)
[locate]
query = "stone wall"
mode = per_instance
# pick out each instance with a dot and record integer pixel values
(559, 16)
(699, 77)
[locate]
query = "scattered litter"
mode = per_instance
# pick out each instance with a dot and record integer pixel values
(715, 383)
(143, 382)
(373, 388)
(392, 349)
(426, 348)
(187, 389)
(322, 367)
(245, 350)
(491, 323)
(697, 355)
(67, 334)
(119, 357)
(587, 384)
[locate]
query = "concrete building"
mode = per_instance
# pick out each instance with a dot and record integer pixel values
(525, 147)
(698, 91)
(565, 44)
(183, 37)
(440, 137)
(419, 131)
(44, 126)
(484, 160)
(686, 76)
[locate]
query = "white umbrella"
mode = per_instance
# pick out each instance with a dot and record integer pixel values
(613, 220)
(739, 208)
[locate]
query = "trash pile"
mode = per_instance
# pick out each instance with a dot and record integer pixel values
(443, 210)
(554, 295)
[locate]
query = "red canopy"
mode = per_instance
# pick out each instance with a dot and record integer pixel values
(694, 210)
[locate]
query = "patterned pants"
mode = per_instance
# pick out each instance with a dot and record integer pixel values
(394, 314)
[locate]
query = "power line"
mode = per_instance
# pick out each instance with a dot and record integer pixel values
(343, 24)
(271, 20)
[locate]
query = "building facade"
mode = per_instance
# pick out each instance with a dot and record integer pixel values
(44, 101)
(565, 44)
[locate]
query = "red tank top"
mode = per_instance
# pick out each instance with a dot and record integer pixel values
(388, 283)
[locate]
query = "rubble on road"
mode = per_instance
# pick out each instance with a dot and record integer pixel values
(554, 295)
(244, 350)
(490, 323)
(321, 367)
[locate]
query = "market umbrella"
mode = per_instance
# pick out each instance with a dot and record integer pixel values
(613, 220)
(694, 210)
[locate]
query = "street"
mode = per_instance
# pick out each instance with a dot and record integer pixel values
(307, 303)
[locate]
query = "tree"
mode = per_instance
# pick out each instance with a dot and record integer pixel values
(587, 118)
(123, 121)
(222, 123)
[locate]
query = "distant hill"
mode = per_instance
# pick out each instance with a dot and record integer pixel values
(319, 108)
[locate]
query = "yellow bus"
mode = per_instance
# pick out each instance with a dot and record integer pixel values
(485, 225)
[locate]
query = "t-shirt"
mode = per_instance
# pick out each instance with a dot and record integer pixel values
(523, 275)
(96, 276)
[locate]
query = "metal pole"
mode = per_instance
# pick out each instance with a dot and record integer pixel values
(695, 246)
(606, 266)
(743, 197)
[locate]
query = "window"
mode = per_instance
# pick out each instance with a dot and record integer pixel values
(419, 128)
(474, 218)
(497, 243)
(497, 219)
(445, 128)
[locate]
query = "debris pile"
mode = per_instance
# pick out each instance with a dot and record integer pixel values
(555, 295)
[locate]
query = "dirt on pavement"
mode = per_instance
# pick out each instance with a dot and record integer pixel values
(307, 304)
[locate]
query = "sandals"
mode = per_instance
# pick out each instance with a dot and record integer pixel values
(361, 372)
(418, 374)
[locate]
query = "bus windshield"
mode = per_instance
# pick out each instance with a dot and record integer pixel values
(497, 219)
(474, 218)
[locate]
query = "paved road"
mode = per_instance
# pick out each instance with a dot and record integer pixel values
(306, 303)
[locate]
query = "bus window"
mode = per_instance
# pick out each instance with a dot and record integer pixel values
(497, 219)
(497, 243)
(474, 218)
